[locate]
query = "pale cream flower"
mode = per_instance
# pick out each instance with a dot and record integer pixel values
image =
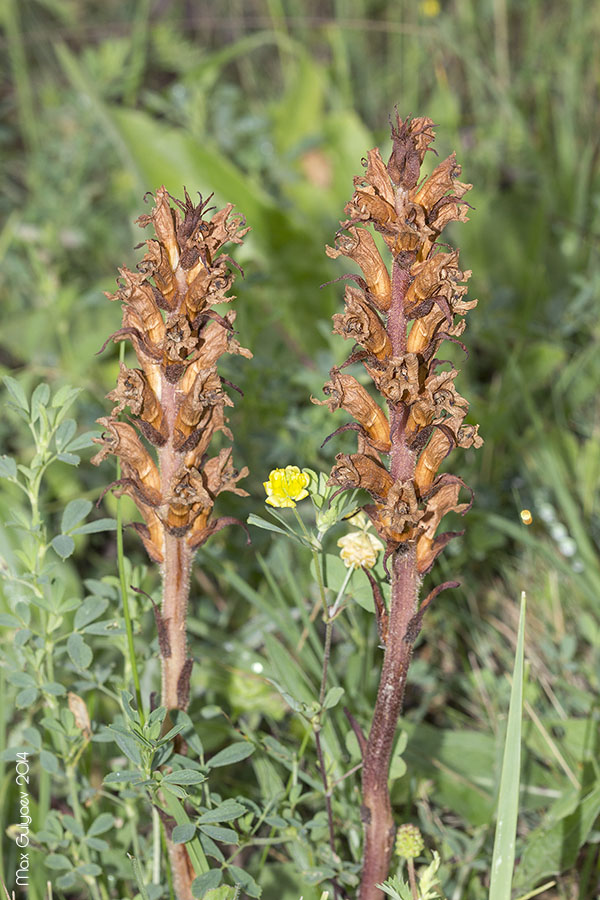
(359, 549)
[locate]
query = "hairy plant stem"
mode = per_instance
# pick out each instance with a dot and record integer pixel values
(175, 666)
(376, 811)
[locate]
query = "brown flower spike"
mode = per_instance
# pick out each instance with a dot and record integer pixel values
(398, 324)
(178, 401)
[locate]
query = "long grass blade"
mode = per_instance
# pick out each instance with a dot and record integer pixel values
(503, 858)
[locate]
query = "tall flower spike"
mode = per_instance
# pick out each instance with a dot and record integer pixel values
(177, 400)
(399, 322)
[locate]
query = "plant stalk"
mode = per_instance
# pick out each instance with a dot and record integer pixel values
(376, 810)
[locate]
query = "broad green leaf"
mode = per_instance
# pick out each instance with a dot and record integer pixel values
(205, 882)
(89, 869)
(96, 526)
(503, 858)
(71, 459)
(171, 156)
(64, 433)
(79, 651)
(39, 400)
(183, 833)
(8, 467)
(247, 882)
(128, 746)
(16, 392)
(64, 545)
(104, 822)
(288, 672)
(232, 754)
(90, 610)
(217, 833)
(57, 861)
(8, 621)
(123, 776)
(74, 512)
(552, 849)
(226, 811)
(184, 776)
(333, 697)
(26, 697)
(65, 396)
(49, 762)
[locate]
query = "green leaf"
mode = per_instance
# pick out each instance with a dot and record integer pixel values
(64, 396)
(128, 746)
(54, 688)
(64, 545)
(8, 467)
(64, 434)
(49, 762)
(247, 881)
(205, 882)
(26, 698)
(104, 822)
(266, 525)
(226, 811)
(184, 776)
(232, 754)
(74, 512)
(287, 672)
(91, 608)
(222, 893)
(554, 848)
(39, 401)
(17, 393)
(72, 825)
(96, 526)
(503, 858)
(67, 881)
(97, 844)
(333, 697)
(70, 458)
(227, 835)
(8, 621)
(123, 776)
(58, 861)
(21, 679)
(78, 650)
(83, 440)
(183, 833)
(89, 869)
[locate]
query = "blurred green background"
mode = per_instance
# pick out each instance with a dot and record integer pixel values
(271, 104)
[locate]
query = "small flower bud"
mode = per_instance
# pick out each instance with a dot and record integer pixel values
(409, 841)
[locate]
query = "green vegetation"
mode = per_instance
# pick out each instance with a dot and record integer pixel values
(271, 105)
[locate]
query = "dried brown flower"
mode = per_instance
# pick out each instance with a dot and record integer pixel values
(178, 400)
(422, 297)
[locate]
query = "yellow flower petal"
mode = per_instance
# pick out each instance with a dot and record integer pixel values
(286, 486)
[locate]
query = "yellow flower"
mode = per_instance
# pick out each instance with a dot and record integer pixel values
(431, 8)
(285, 486)
(359, 549)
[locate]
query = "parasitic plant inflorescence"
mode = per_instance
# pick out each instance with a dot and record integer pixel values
(398, 321)
(178, 402)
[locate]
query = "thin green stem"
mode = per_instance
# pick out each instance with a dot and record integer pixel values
(156, 856)
(124, 592)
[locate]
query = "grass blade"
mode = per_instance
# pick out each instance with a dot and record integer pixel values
(508, 799)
